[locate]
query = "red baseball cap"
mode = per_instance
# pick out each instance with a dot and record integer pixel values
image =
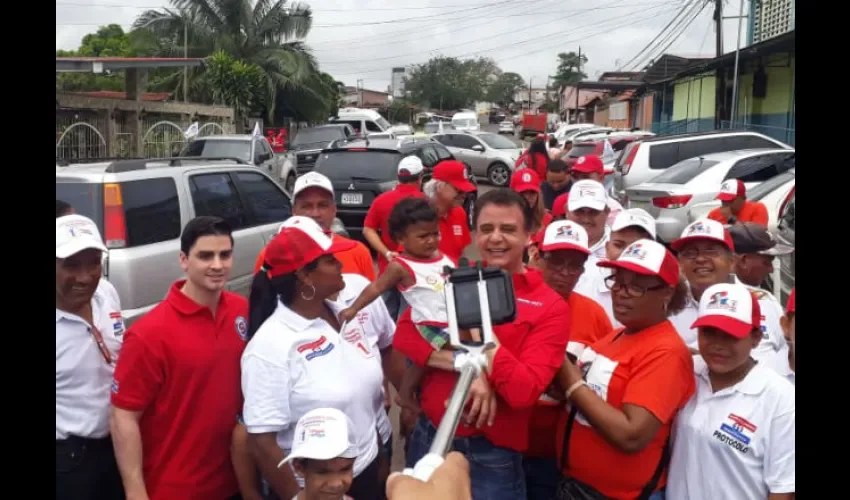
(525, 179)
(731, 189)
(792, 302)
(729, 307)
(649, 258)
(299, 242)
(453, 172)
(588, 164)
(559, 206)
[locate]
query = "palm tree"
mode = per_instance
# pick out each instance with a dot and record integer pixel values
(263, 33)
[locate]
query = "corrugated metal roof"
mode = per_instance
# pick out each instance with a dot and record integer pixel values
(111, 94)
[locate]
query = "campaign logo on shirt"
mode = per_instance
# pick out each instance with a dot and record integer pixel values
(764, 334)
(734, 432)
(316, 349)
(115, 386)
(636, 252)
(721, 300)
(117, 323)
(241, 327)
(458, 230)
(355, 337)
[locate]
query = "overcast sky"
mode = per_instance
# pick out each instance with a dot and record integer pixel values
(364, 39)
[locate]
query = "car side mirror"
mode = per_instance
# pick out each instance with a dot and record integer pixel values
(478, 147)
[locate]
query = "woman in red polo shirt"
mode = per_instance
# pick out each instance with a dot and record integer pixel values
(628, 386)
(536, 157)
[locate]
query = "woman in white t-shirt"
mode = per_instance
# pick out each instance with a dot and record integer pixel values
(735, 437)
(300, 358)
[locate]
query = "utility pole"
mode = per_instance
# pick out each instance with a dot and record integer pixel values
(529, 93)
(720, 75)
(185, 56)
(578, 80)
(734, 114)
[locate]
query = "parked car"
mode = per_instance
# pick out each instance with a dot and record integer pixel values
(597, 147)
(309, 142)
(785, 236)
(642, 160)
(363, 121)
(248, 148)
(490, 155)
(669, 196)
(434, 127)
(772, 193)
(507, 127)
(401, 130)
(141, 207)
(570, 129)
(360, 170)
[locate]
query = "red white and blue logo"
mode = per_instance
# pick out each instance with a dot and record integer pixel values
(117, 323)
(738, 428)
(316, 349)
(636, 251)
(721, 300)
(241, 327)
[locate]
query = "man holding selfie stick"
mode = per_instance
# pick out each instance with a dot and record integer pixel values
(493, 432)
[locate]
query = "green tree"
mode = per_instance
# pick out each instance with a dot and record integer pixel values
(503, 90)
(235, 83)
(263, 34)
(449, 83)
(568, 71)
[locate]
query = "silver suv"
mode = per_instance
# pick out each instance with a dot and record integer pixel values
(248, 148)
(490, 155)
(141, 207)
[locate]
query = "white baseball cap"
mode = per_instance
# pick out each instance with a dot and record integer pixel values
(322, 434)
(312, 179)
(587, 194)
(410, 166)
(729, 307)
(634, 217)
(565, 235)
(649, 258)
(704, 229)
(75, 233)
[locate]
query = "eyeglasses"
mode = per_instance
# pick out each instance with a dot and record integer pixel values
(709, 253)
(562, 265)
(633, 290)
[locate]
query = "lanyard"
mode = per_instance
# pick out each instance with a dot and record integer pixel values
(98, 339)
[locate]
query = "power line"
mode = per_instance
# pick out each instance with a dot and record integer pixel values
(648, 45)
(681, 26)
(681, 31)
(356, 9)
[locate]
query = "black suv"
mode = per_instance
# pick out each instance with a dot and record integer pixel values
(309, 142)
(361, 169)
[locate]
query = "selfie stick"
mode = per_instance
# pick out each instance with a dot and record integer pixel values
(470, 362)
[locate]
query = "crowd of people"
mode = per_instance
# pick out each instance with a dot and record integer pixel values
(631, 370)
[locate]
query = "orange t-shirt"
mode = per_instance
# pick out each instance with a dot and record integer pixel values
(357, 260)
(651, 369)
(753, 211)
(588, 325)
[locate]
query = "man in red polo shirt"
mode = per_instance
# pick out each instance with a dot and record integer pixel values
(177, 383)
(530, 351)
(447, 190)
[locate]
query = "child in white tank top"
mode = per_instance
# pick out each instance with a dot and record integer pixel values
(418, 273)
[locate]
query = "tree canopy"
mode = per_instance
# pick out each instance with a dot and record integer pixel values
(504, 88)
(450, 83)
(568, 71)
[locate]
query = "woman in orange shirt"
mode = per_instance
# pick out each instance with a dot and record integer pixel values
(627, 387)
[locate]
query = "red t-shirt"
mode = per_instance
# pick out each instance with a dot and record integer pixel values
(540, 162)
(454, 233)
(651, 369)
(753, 211)
(180, 366)
(532, 349)
(378, 216)
(589, 323)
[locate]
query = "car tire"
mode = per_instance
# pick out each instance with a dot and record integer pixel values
(499, 174)
(289, 185)
(469, 206)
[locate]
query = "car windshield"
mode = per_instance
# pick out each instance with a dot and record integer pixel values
(379, 166)
(464, 122)
(581, 150)
(86, 198)
(433, 127)
(317, 135)
(684, 171)
(497, 141)
(383, 123)
(219, 148)
(766, 187)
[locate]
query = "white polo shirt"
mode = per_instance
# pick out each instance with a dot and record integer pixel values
(83, 377)
(591, 284)
(379, 328)
(598, 249)
(771, 352)
(736, 443)
(293, 365)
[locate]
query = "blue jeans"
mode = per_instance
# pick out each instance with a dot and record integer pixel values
(496, 473)
(541, 477)
(658, 495)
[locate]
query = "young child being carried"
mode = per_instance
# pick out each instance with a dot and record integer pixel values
(418, 274)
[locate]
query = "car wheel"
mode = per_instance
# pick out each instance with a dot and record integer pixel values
(289, 185)
(499, 174)
(469, 206)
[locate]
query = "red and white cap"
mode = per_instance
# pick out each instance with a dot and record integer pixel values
(454, 173)
(559, 206)
(649, 258)
(588, 164)
(704, 229)
(525, 179)
(729, 307)
(791, 306)
(731, 189)
(587, 194)
(410, 166)
(565, 235)
(312, 179)
(75, 233)
(322, 434)
(299, 242)
(634, 217)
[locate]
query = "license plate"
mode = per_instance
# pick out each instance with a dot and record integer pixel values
(352, 198)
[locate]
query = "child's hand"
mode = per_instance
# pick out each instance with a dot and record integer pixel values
(347, 315)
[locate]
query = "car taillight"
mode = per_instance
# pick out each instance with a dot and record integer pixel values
(114, 223)
(786, 200)
(357, 149)
(677, 201)
(627, 163)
